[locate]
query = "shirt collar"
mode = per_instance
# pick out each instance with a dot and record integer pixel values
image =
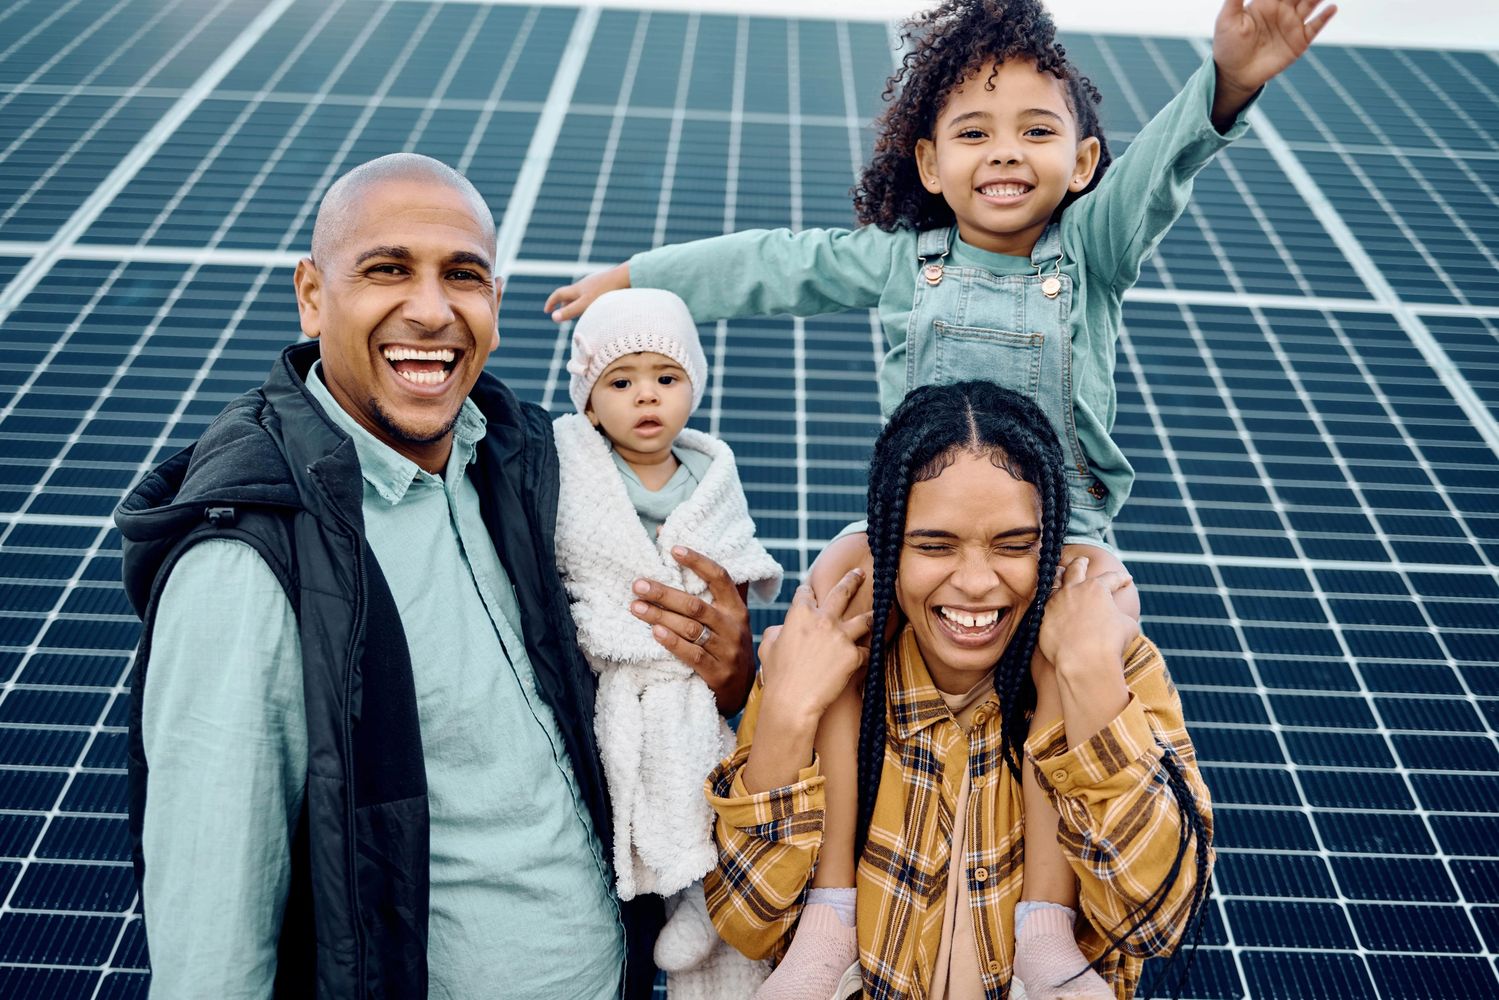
(387, 471)
(915, 701)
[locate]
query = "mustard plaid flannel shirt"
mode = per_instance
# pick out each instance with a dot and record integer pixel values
(1119, 829)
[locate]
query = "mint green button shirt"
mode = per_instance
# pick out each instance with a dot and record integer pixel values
(1106, 237)
(521, 903)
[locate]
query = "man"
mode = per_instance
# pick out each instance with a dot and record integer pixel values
(362, 754)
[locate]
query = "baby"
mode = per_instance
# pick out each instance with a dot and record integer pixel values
(635, 483)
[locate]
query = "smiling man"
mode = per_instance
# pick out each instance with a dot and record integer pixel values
(361, 750)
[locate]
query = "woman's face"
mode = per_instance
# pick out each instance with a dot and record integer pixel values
(968, 567)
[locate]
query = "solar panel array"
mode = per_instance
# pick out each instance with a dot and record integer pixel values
(1309, 388)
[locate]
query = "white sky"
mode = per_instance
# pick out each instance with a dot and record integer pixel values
(1467, 24)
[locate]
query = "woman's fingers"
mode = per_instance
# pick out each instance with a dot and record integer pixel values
(838, 599)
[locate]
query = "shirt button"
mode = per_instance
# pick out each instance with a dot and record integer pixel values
(1059, 775)
(979, 718)
(994, 967)
(981, 874)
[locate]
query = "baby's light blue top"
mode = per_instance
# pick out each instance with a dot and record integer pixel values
(654, 506)
(521, 903)
(1106, 237)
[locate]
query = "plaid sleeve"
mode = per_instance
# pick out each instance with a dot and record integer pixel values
(1121, 825)
(767, 845)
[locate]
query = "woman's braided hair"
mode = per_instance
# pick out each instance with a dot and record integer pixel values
(952, 42)
(930, 429)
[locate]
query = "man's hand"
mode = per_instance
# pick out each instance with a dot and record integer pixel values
(1252, 43)
(569, 301)
(725, 659)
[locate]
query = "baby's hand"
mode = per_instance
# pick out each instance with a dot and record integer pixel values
(569, 301)
(1252, 43)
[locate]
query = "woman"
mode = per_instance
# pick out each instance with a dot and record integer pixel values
(967, 506)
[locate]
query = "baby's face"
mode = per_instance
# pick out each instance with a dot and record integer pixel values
(641, 402)
(1004, 158)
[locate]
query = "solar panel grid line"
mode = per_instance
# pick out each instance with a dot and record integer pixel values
(439, 95)
(522, 201)
(556, 368)
(1457, 109)
(1333, 623)
(62, 53)
(1454, 217)
(27, 278)
(856, 157)
(798, 324)
(336, 163)
(1126, 348)
(1356, 255)
(730, 206)
(220, 148)
(674, 137)
(1292, 375)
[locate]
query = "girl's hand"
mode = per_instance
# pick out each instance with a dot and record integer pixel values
(1083, 624)
(1252, 43)
(806, 662)
(569, 301)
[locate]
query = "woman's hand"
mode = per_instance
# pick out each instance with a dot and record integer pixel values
(1254, 42)
(805, 664)
(569, 301)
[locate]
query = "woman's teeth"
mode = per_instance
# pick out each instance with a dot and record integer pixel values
(981, 619)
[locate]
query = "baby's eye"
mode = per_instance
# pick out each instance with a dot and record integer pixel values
(619, 383)
(667, 379)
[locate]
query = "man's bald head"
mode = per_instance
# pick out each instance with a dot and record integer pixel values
(340, 206)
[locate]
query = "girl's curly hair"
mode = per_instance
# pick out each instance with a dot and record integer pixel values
(952, 42)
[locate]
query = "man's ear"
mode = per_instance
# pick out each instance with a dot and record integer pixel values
(308, 282)
(1088, 153)
(926, 165)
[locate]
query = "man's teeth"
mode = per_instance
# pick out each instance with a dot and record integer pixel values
(980, 620)
(424, 378)
(412, 354)
(1003, 190)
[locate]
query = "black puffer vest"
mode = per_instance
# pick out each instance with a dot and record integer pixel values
(275, 472)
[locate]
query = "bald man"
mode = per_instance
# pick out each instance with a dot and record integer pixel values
(361, 744)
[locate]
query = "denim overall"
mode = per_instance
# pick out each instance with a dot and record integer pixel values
(967, 323)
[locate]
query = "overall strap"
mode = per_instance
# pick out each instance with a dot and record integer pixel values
(933, 243)
(1049, 247)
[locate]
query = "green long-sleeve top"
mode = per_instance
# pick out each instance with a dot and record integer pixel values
(1106, 237)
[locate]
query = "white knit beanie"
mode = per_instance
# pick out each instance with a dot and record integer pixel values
(630, 321)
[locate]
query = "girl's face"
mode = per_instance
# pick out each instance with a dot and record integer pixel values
(1004, 158)
(968, 567)
(642, 402)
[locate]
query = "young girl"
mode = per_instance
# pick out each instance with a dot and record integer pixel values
(635, 482)
(998, 242)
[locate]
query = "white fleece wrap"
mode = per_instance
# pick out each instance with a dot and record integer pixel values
(658, 726)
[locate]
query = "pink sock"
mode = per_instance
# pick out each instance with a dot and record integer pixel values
(822, 949)
(1047, 959)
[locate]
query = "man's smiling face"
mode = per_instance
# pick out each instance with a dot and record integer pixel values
(405, 303)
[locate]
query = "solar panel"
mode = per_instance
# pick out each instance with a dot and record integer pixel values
(1308, 387)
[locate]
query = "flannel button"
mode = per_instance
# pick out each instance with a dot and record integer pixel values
(981, 874)
(1059, 775)
(994, 966)
(980, 717)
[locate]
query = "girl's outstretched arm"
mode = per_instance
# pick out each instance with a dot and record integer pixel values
(1254, 42)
